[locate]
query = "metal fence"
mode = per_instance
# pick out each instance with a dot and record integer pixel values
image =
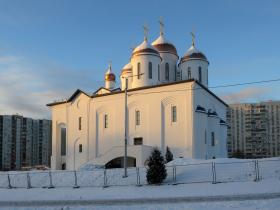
(215, 172)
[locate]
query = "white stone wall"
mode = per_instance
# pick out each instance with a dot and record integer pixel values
(129, 76)
(171, 59)
(194, 65)
(156, 126)
(144, 60)
(209, 124)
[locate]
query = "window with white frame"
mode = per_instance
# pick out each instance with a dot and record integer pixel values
(138, 70)
(174, 113)
(137, 117)
(167, 71)
(212, 138)
(106, 121)
(80, 123)
(150, 70)
(199, 74)
(189, 73)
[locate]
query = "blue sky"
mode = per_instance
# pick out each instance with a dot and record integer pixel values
(50, 48)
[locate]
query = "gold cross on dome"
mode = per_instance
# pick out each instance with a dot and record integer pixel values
(146, 30)
(161, 25)
(132, 47)
(110, 64)
(193, 38)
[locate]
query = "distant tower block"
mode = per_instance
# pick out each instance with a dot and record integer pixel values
(110, 78)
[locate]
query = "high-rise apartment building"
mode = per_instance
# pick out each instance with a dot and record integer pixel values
(254, 129)
(24, 142)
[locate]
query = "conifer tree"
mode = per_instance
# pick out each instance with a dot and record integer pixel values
(168, 155)
(156, 172)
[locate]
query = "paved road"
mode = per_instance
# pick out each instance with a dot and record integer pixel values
(108, 202)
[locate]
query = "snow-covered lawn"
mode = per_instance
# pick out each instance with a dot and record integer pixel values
(270, 204)
(179, 171)
(187, 196)
(193, 189)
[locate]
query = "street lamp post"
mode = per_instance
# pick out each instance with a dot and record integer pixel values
(125, 129)
(75, 152)
(126, 124)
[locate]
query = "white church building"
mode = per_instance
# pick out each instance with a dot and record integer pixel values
(168, 103)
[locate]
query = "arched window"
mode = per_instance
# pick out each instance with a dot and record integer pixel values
(158, 73)
(212, 138)
(174, 113)
(80, 123)
(63, 141)
(137, 117)
(150, 70)
(166, 71)
(199, 74)
(105, 121)
(189, 73)
(138, 70)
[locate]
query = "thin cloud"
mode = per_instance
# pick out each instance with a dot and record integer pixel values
(250, 94)
(26, 88)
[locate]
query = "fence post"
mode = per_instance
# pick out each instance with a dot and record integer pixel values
(9, 182)
(257, 178)
(105, 179)
(138, 177)
(258, 171)
(214, 178)
(28, 186)
(174, 174)
(50, 177)
(76, 180)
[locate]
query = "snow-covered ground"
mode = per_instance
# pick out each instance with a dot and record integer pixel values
(235, 188)
(269, 204)
(182, 170)
(185, 196)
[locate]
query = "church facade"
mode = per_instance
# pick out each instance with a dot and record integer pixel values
(166, 102)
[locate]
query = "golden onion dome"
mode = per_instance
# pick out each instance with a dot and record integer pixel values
(164, 46)
(193, 54)
(145, 48)
(110, 76)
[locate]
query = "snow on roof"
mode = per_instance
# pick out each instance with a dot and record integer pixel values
(192, 50)
(144, 45)
(161, 40)
(127, 66)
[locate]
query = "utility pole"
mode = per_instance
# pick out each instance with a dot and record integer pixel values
(75, 142)
(125, 129)
(126, 124)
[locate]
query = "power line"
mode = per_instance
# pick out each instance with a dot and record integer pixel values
(246, 83)
(214, 87)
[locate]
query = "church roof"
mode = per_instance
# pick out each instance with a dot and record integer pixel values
(76, 93)
(99, 90)
(140, 88)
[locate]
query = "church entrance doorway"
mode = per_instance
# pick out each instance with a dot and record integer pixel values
(118, 162)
